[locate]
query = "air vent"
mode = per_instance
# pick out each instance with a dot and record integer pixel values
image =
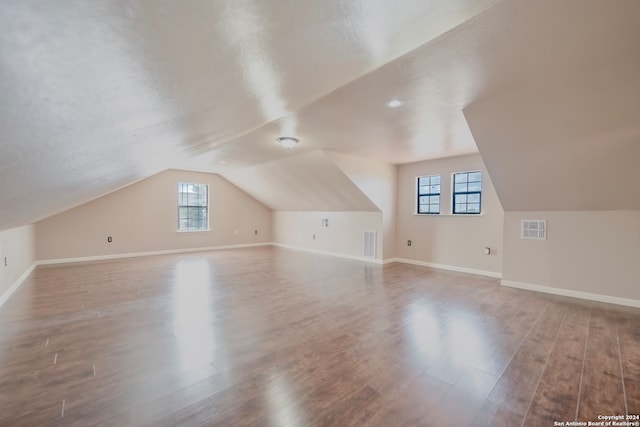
(535, 229)
(369, 239)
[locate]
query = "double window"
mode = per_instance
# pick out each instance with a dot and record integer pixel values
(467, 192)
(193, 206)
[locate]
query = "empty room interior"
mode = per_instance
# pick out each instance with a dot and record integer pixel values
(407, 213)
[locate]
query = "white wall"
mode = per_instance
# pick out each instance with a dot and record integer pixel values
(377, 181)
(143, 218)
(344, 236)
(305, 182)
(592, 252)
(18, 246)
(449, 240)
(560, 144)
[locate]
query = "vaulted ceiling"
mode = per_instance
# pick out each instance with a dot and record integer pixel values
(94, 97)
(567, 137)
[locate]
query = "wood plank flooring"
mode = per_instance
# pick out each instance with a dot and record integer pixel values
(273, 337)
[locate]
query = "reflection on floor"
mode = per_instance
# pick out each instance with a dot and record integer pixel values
(269, 336)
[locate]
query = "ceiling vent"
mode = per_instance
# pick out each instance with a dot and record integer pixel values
(535, 229)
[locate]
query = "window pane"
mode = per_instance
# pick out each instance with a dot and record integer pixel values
(429, 184)
(460, 177)
(202, 198)
(182, 212)
(475, 176)
(434, 199)
(434, 209)
(423, 209)
(461, 198)
(460, 188)
(460, 208)
(473, 208)
(423, 200)
(475, 186)
(473, 198)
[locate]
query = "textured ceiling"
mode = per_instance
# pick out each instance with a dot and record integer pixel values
(95, 96)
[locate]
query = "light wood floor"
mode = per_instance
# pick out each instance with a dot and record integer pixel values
(273, 337)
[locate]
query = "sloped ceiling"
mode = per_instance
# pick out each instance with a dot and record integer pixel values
(307, 182)
(568, 139)
(94, 97)
(570, 145)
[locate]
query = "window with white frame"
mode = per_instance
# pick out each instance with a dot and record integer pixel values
(467, 193)
(428, 195)
(193, 206)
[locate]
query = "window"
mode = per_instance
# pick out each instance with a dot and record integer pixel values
(193, 206)
(467, 192)
(429, 194)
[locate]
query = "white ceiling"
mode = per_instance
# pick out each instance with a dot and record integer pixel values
(95, 96)
(568, 138)
(306, 182)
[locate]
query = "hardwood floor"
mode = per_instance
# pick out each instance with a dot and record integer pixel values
(273, 337)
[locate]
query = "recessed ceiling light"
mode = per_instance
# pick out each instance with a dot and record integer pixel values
(288, 141)
(395, 103)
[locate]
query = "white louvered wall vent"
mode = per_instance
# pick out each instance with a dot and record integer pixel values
(535, 229)
(370, 240)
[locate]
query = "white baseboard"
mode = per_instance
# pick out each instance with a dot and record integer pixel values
(314, 251)
(486, 273)
(139, 254)
(7, 294)
(509, 283)
(570, 293)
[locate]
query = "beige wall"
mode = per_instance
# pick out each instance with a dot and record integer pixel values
(18, 246)
(377, 181)
(344, 236)
(445, 239)
(593, 252)
(143, 218)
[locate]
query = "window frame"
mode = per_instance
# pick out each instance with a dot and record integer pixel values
(194, 206)
(467, 193)
(429, 195)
